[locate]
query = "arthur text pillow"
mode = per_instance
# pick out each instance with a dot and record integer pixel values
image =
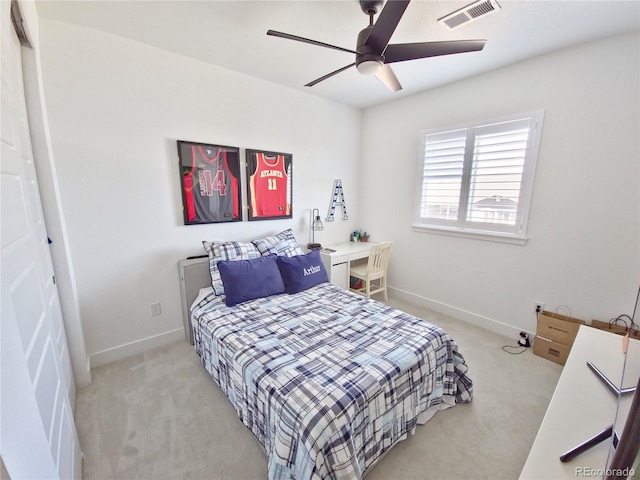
(302, 271)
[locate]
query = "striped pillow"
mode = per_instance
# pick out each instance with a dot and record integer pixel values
(283, 244)
(231, 251)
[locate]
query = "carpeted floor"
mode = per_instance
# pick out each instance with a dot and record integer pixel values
(159, 415)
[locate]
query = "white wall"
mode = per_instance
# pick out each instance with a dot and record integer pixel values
(116, 109)
(584, 243)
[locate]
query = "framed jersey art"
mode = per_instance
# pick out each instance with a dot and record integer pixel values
(269, 177)
(210, 180)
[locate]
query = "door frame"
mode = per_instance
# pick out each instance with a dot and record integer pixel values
(50, 195)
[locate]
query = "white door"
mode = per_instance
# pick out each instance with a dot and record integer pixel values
(39, 438)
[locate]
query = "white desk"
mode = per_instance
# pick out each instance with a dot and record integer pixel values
(337, 259)
(582, 406)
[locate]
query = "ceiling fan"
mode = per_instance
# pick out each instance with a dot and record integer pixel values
(373, 51)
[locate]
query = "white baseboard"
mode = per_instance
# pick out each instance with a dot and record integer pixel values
(140, 346)
(481, 321)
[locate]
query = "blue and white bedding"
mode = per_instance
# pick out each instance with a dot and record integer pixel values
(327, 380)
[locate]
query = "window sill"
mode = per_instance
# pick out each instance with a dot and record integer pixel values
(474, 234)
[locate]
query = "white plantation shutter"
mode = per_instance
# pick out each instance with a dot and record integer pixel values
(496, 174)
(442, 174)
(479, 178)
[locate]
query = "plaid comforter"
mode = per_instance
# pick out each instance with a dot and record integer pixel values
(327, 380)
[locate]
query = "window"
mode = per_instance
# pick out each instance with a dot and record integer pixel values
(476, 180)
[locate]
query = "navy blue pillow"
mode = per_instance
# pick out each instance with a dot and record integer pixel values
(302, 271)
(249, 279)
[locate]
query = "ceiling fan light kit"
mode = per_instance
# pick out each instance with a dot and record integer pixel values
(369, 67)
(374, 53)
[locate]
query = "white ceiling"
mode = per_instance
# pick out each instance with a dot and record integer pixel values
(232, 34)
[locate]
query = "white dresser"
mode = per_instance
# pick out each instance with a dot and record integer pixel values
(582, 406)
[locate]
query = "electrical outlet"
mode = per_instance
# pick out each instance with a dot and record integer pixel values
(155, 309)
(538, 307)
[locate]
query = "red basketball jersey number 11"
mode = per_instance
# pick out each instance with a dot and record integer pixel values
(270, 187)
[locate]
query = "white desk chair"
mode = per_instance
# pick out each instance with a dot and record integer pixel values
(374, 273)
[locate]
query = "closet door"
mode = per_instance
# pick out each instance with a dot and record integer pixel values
(39, 438)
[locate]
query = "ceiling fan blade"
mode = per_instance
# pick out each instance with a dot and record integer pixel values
(386, 76)
(413, 51)
(385, 25)
(318, 80)
(306, 40)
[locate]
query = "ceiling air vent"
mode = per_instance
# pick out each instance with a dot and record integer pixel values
(469, 13)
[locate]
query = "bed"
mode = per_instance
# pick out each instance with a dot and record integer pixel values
(327, 380)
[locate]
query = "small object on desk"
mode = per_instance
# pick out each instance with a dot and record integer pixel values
(617, 392)
(328, 250)
(586, 445)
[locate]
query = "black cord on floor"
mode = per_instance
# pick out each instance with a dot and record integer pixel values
(524, 349)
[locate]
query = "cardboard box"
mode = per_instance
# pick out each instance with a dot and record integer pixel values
(558, 328)
(556, 352)
(555, 335)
